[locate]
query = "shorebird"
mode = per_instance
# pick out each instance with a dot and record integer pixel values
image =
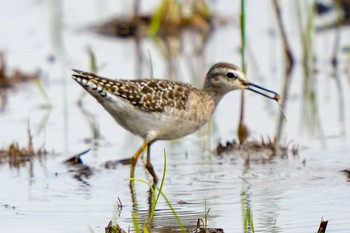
(157, 109)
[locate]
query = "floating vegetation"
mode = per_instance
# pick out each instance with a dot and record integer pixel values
(201, 229)
(114, 228)
(17, 156)
(264, 150)
(169, 19)
(124, 27)
(202, 225)
(8, 79)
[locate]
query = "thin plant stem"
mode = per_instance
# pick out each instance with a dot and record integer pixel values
(242, 128)
(288, 68)
(160, 188)
(160, 193)
(135, 222)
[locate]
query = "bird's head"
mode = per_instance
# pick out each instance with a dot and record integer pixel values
(224, 77)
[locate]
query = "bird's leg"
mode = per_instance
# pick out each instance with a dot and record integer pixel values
(136, 156)
(149, 166)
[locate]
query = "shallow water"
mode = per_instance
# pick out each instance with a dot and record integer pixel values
(284, 195)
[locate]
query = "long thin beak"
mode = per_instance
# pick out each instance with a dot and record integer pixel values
(267, 91)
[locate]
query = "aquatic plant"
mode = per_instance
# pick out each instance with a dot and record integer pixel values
(247, 215)
(242, 131)
(153, 188)
(17, 156)
(289, 65)
(310, 117)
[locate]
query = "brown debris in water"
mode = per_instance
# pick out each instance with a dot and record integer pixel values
(261, 150)
(78, 168)
(114, 228)
(75, 159)
(202, 228)
(17, 156)
(8, 79)
(322, 227)
(124, 27)
(347, 174)
(112, 164)
(339, 8)
(82, 172)
(209, 230)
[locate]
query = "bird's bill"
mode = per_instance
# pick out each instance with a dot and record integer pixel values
(263, 91)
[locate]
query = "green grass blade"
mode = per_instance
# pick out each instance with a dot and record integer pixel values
(93, 61)
(243, 35)
(160, 190)
(135, 223)
(160, 193)
(43, 93)
(173, 212)
(156, 20)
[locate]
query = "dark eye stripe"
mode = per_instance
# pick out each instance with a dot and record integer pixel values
(231, 75)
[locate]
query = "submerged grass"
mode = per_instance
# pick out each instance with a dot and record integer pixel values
(247, 215)
(155, 200)
(201, 226)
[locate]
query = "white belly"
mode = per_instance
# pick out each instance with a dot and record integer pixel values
(152, 125)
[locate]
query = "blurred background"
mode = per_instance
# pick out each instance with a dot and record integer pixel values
(288, 171)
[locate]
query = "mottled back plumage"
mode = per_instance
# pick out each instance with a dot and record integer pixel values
(146, 94)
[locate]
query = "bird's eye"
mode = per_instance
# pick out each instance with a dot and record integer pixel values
(231, 75)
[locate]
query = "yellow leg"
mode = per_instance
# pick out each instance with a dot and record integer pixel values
(149, 165)
(136, 156)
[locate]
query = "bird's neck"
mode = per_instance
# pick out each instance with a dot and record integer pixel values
(214, 95)
(211, 100)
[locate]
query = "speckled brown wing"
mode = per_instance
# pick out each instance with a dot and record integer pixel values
(146, 94)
